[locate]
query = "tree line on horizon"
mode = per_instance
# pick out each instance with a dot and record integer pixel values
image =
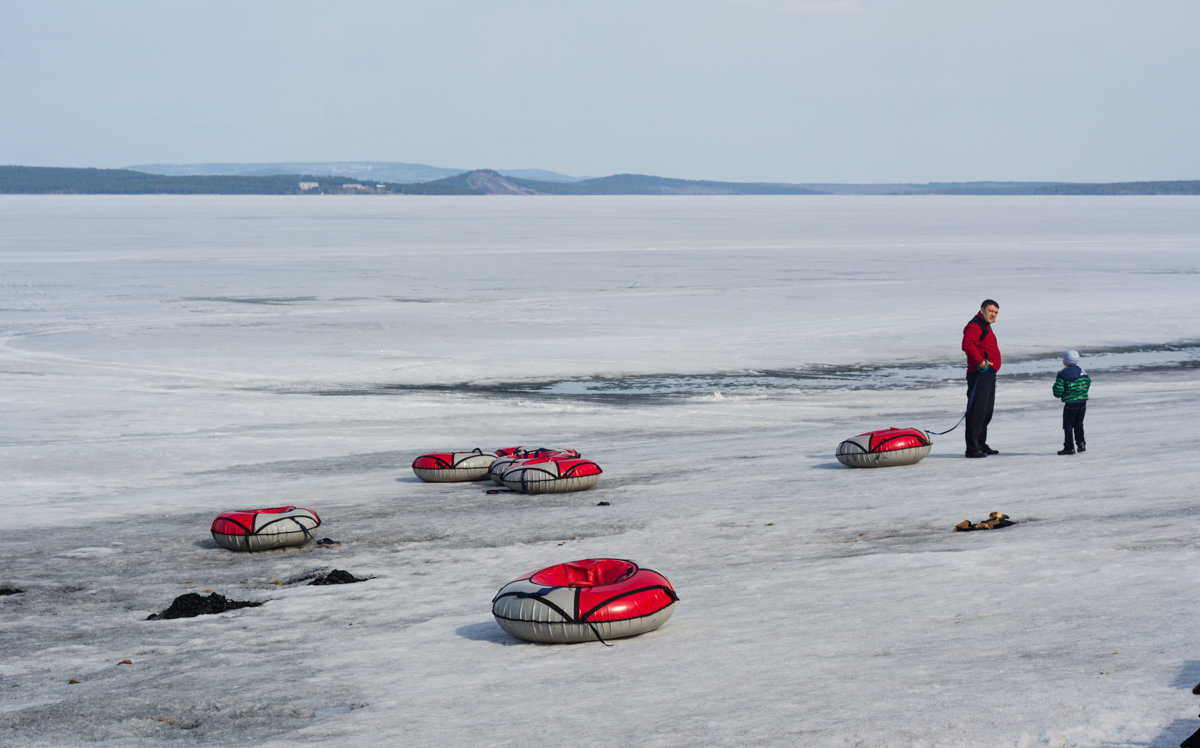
(38, 180)
(44, 180)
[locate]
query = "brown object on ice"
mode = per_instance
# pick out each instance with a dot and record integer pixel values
(994, 521)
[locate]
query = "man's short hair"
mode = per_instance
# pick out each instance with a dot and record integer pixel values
(988, 302)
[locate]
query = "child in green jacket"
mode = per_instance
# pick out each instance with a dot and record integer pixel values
(1071, 386)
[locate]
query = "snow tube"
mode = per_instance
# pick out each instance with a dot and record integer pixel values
(448, 467)
(553, 474)
(512, 455)
(506, 451)
(885, 448)
(264, 529)
(588, 600)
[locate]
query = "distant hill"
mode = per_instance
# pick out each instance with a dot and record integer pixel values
(934, 188)
(38, 180)
(640, 184)
(539, 175)
(53, 180)
(1191, 187)
(490, 182)
(377, 171)
(1014, 188)
(369, 171)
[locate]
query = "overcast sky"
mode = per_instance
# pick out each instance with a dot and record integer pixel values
(741, 90)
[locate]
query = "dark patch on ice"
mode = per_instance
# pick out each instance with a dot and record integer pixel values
(665, 388)
(416, 300)
(896, 541)
(9, 591)
(319, 576)
(337, 576)
(192, 604)
(262, 300)
(340, 465)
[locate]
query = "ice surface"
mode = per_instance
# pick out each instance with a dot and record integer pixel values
(163, 360)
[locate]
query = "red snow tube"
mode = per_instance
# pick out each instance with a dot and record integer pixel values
(264, 529)
(588, 600)
(509, 456)
(509, 451)
(885, 448)
(553, 474)
(447, 467)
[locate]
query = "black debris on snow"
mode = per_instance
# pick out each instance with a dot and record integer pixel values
(337, 576)
(192, 605)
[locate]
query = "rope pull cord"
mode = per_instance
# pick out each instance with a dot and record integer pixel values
(308, 535)
(970, 399)
(592, 626)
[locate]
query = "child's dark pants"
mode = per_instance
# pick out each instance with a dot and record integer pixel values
(1073, 414)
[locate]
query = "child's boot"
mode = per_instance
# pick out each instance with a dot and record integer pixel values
(1082, 446)
(1067, 441)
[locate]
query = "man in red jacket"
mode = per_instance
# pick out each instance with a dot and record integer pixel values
(983, 361)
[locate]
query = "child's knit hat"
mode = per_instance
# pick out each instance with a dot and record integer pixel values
(1071, 357)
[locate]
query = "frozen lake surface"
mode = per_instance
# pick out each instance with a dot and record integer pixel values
(166, 359)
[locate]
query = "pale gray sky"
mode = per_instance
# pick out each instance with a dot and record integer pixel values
(742, 90)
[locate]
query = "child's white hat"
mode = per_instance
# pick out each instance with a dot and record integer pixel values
(1071, 357)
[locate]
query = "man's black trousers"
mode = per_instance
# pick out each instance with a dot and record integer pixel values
(981, 391)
